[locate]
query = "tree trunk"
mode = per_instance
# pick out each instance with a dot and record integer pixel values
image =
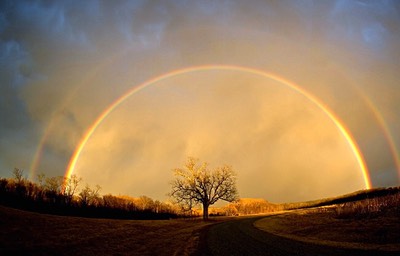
(205, 211)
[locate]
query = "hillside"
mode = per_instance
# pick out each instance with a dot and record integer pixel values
(355, 196)
(363, 220)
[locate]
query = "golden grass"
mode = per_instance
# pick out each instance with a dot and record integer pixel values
(372, 223)
(32, 234)
(323, 227)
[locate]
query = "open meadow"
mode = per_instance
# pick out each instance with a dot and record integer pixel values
(371, 223)
(28, 233)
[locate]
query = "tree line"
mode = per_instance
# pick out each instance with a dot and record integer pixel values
(195, 184)
(59, 195)
(247, 206)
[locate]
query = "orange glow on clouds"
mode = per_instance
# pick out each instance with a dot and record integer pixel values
(335, 120)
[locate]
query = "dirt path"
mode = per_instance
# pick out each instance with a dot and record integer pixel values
(240, 237)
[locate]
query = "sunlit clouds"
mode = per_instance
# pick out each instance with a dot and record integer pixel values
(272, 134)
(62, 64)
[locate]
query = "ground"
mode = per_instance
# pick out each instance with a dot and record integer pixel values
(27, 233)
(381, 232)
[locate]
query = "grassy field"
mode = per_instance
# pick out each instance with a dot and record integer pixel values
(368, 219)
(27, 233)
(371, 222)
(324, 226)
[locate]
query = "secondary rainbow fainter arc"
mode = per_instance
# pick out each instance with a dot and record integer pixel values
(347, 135)
(386, 132)
(382, 123)
(91, 74)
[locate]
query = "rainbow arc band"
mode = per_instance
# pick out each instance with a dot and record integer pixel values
(51, 125)
(338, 123)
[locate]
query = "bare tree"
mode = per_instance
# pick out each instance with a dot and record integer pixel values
(41, 179)
(89, 196)
(18, 175)
(69, 187)
(196, 184)
(54, 184)
(53, 188)
(145, 203)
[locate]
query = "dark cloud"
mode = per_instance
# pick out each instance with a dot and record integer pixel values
(62, 63)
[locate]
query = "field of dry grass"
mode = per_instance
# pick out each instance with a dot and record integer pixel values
(380, 232)
(27, 233)
(369, 223)
(368, 219)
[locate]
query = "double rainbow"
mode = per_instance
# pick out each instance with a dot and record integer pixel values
(329, 113)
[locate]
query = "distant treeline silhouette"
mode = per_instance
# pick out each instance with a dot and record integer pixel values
(58, 195)
(348, 198)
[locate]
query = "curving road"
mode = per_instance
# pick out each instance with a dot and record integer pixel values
(240, 237)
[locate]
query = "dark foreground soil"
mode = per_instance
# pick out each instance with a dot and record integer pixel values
(27, 233)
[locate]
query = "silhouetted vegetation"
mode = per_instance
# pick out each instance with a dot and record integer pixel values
(348, 198)
(58, 195)
(197, 184)
(371, 207)
(360, 204)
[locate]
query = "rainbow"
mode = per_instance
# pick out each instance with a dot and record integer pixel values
(385, 129)
(388, 136)
(90, 75)
(39, 151)
(347, 135)
(380, 121)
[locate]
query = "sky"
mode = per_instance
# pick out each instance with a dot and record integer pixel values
(65, 64)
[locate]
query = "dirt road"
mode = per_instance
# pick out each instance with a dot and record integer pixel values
(240, 237)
